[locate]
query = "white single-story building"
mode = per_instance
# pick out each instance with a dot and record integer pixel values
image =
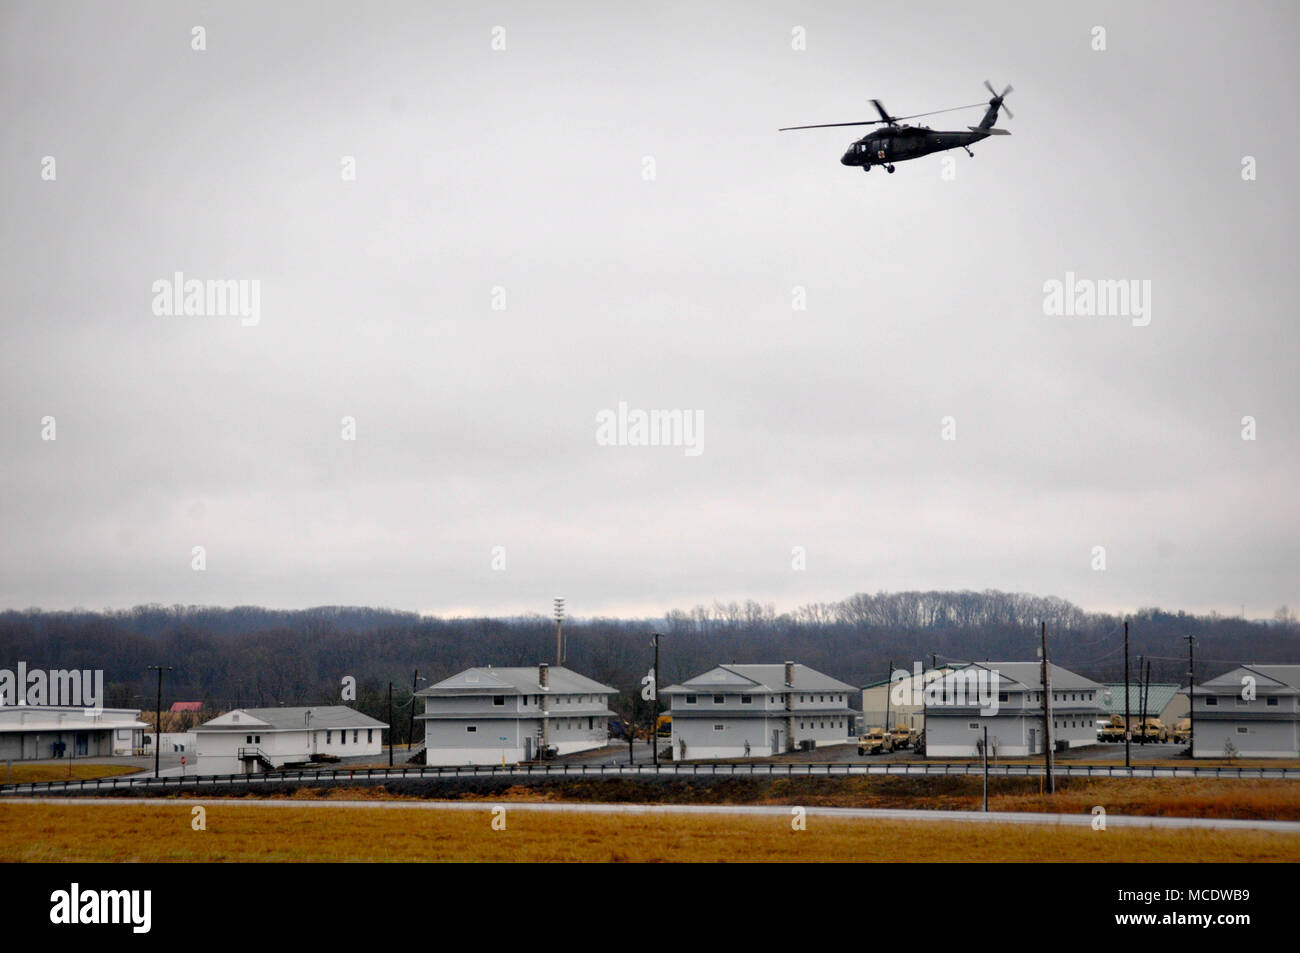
(31, 732)
(1252, 711)
(737, 711)
(1007, 699)
(507, 715)
(253, 740)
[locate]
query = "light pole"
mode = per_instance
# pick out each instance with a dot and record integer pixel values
(157, 727)
(410, 731)
(654, 708)
(558, 610)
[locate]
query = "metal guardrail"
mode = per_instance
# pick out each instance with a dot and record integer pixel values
(787, 770)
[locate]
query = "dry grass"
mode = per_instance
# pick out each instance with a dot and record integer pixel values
(26, 772)
(237, 832)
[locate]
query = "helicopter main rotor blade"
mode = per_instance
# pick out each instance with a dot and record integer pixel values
(880, 108)
(938, 111)
(877, 122)
(829, 125)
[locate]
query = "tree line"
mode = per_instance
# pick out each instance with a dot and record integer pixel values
(249, 656)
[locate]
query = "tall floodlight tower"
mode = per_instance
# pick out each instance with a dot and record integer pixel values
(558, 603)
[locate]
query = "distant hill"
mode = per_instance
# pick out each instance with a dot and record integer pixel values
(253, 656)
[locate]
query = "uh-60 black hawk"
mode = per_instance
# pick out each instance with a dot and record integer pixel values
(895, 142)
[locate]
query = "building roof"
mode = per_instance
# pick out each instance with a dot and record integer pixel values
(927, 675)
(186, 706)
(1157, 700)
(1284, 677)
(21, 718)
(1027, 676)
(517, 681)
(291, 719)
(759, 678)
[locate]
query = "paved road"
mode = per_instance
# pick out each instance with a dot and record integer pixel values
(851, 813)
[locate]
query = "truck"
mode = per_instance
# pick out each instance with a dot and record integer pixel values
(1113, 730)
(875, 741)
(902, 737)
(1152, 731)
(1182, 732)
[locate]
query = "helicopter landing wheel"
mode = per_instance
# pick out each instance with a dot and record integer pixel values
(889, 169)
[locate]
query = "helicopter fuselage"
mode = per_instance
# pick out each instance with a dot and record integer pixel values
(887, 146)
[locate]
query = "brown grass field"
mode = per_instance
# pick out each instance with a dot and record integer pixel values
(23, 773)
(237, 832)
(1161, 797)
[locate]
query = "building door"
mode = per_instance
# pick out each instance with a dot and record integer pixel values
(81, 744)
(528, 747)
(1033, 741)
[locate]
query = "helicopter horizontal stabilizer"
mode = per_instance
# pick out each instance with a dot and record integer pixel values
(990, 130)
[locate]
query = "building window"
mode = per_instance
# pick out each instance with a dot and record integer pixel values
(257, 739)
(690, 699)
(1211, 701)
(746, 699)
(356, 734)
(1002, 696)
(370, 735)
(248, 739)
(499, 700)
(973, 726)
(719, 727)
(1272, 701)
(1243, 730)
(329, 737)
(717, 699)
(471, 728)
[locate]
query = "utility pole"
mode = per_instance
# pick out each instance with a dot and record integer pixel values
(157, 726)
(888, 685)
(1146, 703)
(1128, 719)
(1142, 724)
(390, 724)
(1191, 697)
(986, 769)
(410, 731)
(1047, 713)
(654, 708)
(558, 607)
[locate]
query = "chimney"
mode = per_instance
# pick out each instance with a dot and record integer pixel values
(544, 675)
(789, 673)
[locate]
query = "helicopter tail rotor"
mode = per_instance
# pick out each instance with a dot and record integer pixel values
(996, 101)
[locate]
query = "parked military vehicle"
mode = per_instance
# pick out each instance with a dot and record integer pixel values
(875, 741)
(1113, 730)
(902, 737)
(1182, 732)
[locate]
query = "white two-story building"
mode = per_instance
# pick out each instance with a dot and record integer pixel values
(738, 711)
(1006, 698)
(1252, 711)
(507, 715)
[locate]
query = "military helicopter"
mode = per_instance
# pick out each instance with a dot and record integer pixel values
(895, 142)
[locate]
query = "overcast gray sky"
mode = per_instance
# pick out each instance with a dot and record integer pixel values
(523, 169)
